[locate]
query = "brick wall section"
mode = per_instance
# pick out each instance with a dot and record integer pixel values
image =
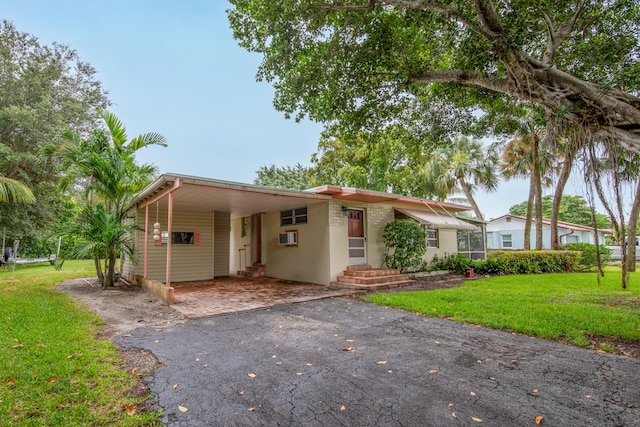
(336, 217)
(378, 216)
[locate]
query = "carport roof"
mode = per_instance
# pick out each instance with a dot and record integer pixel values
(206, 194)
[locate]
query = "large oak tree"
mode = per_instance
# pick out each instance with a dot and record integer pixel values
(362, 64)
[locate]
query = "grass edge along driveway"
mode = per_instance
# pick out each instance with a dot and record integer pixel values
(53, 369)
(570, 307)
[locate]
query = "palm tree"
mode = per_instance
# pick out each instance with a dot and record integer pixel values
(523, 156)
(463, 164)
(12, 190)
(105, 164)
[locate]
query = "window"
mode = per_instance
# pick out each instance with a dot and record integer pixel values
(572, 238)
(293, 216)
(432, 237)
(508, 219)
(471, 243)
(507, 241)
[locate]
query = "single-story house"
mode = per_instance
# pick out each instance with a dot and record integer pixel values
(195, 228)
(507, 232)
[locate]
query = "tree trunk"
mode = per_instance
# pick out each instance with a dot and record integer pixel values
(535, 172)
(99, 273)
(469, 196)
(527, 222)
(633, 229)
(567, 165)
(111, 271)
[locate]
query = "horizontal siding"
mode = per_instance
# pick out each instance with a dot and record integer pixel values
(222, 240)
(189, 262)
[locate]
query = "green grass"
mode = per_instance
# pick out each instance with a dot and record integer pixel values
(568, 307)
(53, 370)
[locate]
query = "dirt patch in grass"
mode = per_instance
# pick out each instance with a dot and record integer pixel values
(621, 346)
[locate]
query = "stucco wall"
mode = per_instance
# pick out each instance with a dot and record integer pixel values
(309, 260)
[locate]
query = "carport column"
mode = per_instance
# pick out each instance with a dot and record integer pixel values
(169, 239)
(146, 240)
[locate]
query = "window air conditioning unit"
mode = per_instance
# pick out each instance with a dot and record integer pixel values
(288, 238)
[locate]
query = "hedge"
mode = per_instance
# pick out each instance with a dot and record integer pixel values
(512, 262)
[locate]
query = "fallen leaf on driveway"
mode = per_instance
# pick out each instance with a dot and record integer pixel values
(472, 393)
(175, 386)
(182, 408)
(343, 408)
(251, 375)
(251, 409)
(478, 420)
(539, 419)
(347, 348)
(241, 392)
(535, 390)
(382, 362)
(433, 371)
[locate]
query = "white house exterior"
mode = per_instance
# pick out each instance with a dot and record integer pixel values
(507, 232)
(194, 228)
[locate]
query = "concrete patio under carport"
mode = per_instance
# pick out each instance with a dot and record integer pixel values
(232, 294)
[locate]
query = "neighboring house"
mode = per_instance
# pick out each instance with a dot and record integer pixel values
(507, 232)
(198, 229)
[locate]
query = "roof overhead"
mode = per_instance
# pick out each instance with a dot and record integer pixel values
(206, 195)
(437, 220)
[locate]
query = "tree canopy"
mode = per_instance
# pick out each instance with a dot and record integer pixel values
(573, 209)
(44, 90)
(294, 177)
(363, 64)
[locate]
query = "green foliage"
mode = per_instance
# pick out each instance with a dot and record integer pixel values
(405, 244)
(108, 159)
(588, 259)
(573, 209)
(567, 306)
(295, 177)
(512, 262)
(383, 161)
(462, 165)
(44, 90)
(428, 66)
(53, 370)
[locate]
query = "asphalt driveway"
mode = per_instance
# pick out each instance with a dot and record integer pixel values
(341, 362)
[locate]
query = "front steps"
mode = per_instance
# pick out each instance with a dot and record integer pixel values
(365, 277)
(255, 270)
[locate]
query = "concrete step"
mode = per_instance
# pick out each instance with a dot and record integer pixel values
(372, 280)
(372, 272)
(375, 287)
(358, 267)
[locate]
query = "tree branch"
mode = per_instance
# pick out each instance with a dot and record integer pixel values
(462, 77)
(488, 16)
(556, 35)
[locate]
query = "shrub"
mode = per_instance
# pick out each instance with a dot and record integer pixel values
(456, 263)
(512, 262)
(588, 257)
(405, 242)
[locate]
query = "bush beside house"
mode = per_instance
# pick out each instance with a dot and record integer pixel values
(512, 262)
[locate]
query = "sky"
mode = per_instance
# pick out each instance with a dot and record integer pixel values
(174, 68)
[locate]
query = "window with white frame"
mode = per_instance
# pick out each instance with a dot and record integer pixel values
(293, 216)
(432, 236)
(507, 241)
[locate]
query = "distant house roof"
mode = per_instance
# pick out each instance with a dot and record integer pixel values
(546, 221)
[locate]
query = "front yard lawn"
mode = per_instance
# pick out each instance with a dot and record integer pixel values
(53, 370)
(570, 307)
